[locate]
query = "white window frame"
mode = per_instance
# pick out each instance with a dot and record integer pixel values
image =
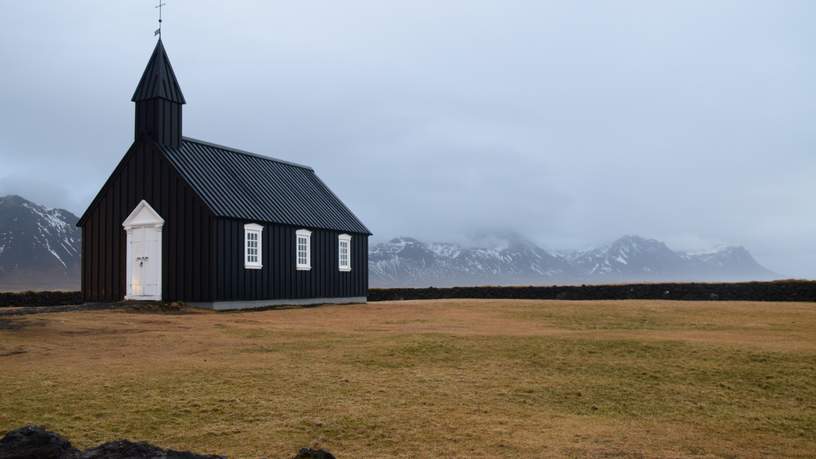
(303, 233)
(257, 230)
(340, 240)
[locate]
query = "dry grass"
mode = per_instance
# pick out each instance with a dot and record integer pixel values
(448, 378)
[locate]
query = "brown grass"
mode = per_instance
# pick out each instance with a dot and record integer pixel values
(446, 378)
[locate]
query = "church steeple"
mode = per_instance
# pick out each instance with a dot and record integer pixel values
(158, 101)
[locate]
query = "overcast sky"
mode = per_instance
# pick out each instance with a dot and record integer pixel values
(573, 123)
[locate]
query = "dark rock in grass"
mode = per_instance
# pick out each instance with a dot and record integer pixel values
(33, 442)
(309, 453)
(124, 449)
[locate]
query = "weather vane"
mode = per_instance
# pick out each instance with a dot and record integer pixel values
(158, 31)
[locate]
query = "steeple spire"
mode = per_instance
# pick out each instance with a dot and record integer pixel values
(158, 99)
(158, 79)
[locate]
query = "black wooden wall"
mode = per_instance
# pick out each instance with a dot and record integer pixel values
(279, 278)
(159, 120)
(203, 256)
(187, 237)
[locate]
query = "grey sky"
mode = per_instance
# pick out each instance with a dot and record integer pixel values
(572, 122)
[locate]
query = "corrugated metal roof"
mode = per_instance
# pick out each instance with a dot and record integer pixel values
(158, 79)
(239, 184)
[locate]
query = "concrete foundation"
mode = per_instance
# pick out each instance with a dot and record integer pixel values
(254, 304)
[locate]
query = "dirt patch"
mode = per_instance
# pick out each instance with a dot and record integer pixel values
(12, 352)
(6, 324)
(17, 324)
(158, 308)
(22, 311)
(102, 332)
(124, 306)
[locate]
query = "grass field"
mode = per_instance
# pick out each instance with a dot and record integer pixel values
(452, 378)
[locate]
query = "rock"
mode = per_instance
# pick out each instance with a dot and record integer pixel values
(309, 453)
(34, 442)
(124, 449)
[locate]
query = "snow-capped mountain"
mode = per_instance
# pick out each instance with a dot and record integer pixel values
(39, 247)
(735, 261)
(636, 258)
(408, 262)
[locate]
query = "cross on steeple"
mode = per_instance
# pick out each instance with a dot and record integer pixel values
(159, 6)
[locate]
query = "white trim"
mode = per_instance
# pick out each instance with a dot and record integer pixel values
(139, 219)
(340, 240)
(303, 233)
(256, 230)
(143, 217)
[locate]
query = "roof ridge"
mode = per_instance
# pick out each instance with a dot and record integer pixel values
(248, 153)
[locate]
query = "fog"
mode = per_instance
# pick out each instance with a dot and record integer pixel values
(569, 122)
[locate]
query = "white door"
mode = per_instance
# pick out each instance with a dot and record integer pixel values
(144, 253)
(145, 260)
(136, 242)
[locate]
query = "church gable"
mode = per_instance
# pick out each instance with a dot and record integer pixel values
(144, 174)
(143, 166)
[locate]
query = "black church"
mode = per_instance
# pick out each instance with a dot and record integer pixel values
(181, 219)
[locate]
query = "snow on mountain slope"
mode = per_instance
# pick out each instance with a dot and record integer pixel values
(39, 247)
(406, 261)
(514, 261)
(629, 256)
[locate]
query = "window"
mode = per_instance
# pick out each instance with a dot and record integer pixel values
(252, 246)
(344, 252)
(303, 250)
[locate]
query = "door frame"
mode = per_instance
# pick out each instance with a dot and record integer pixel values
(145, 217)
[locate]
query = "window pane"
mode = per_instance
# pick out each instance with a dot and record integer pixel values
(252, 245)
(344, 254)
(302, 250)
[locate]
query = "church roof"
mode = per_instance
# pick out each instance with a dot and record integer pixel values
(158, 80)
(239, 184)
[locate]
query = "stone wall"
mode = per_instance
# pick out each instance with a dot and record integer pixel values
(793, 290)
(788, 290)
(39, 298)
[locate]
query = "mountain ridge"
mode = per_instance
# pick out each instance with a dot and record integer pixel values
(40, 249)
(408, 262)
